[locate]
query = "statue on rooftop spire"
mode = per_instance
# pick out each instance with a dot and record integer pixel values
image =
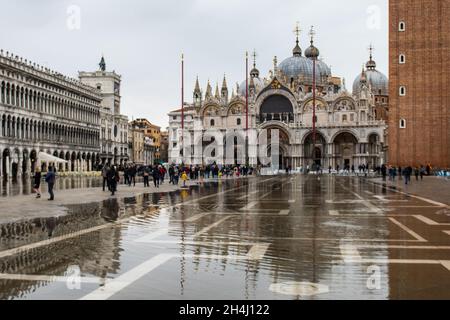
(102, 64)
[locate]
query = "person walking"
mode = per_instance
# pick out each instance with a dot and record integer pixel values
(184, 178)
(50, 178)
(37, 182)
(416, 173)
(176, 176)
(145, 174)
(155, 174)
(132, 176)
(422, 172)
(105, 170)
(113, 178)
(383, 171)
(171, 174)
(407, 174)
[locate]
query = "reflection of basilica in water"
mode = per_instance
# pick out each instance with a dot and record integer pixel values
(351, 127)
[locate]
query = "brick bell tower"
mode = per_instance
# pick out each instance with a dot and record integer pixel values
(419, 74)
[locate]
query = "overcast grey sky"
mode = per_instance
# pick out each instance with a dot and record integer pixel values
(143, 39)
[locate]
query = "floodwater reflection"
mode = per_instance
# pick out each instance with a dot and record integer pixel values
(265, 238)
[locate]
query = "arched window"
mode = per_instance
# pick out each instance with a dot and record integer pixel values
(402, 26)
(238, 121)
(402, 59)
(212, 123)
(402, 91)
(402, 124)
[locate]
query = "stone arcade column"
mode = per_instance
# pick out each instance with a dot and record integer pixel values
(1, 166)
(19, 166)
(8, 167)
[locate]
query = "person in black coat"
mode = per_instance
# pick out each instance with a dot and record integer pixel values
(156, 176)
(113, 176)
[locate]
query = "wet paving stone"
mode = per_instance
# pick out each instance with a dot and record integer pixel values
(287, 237)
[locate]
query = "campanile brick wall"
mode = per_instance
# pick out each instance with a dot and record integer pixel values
(426, 76)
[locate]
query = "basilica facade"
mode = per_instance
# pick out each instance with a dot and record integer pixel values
(350, 127)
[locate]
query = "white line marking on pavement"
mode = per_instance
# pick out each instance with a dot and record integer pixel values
(349, 253)
(265, 195)
(204, 230)
(118, 284)
(205, 243)
(439, 204)
(250, 205)
(292, 201)
(430, 222)
(365, 202)
(46, 278)
(248, 194)
(35, 245)
(369, 192)
(408, 230)
(196, 217)
(384, 199)
(153, 235)
(384, 246)
(333, 212)
(258, 251)
(446, 264)
(331, 239)
(344, 201)
(284, 212)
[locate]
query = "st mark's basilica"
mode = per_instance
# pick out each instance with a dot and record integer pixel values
(351, 128)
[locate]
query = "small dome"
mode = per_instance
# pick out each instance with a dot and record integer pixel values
(297, 51)
(371, 64)
(378, 82)
(312, 52)
(254, 73)
(259, 84)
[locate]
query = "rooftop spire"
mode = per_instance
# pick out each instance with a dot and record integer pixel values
(208, 90)
(197, 85)
(312, 52)
(217, 94)
(224, 83)
(254, 73)
(297, 50)
(371, 64)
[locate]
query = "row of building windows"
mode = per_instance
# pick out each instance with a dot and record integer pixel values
(32, 130)
(402, 60)
(72, 94)
(21, 97)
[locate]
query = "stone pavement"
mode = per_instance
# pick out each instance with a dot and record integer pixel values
(434, 188)
(19, 207)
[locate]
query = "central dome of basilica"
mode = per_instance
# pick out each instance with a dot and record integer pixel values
(301, 67)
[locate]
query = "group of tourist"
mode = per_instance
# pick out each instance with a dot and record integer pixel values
(158, 173)
(50, 178)
(406, 172)
(111, 176)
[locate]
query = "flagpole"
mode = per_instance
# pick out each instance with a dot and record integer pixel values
(182, 107)
(246, 109)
